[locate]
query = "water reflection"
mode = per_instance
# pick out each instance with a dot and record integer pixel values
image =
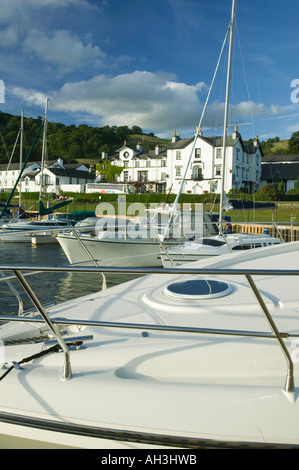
(49, 287)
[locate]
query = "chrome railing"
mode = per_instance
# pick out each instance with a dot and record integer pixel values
(21, 271)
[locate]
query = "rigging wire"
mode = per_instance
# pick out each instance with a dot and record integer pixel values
(10, 159)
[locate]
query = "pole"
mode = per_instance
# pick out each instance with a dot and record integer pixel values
(21, 156)
(226, 110)
(20, 175)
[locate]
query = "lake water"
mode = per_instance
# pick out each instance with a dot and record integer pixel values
(49, 287)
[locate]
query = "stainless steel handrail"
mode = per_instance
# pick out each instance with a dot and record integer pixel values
(15, 292)
(290, 386)
(74, 231)
(146, 270)
(67, 371)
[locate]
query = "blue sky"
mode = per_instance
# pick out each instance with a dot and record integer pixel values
(150, 63)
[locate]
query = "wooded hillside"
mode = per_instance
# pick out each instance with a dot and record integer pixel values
(68, 142)
(84, 142)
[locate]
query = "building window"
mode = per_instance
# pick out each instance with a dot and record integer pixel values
(218, 169)
(163, 162)
(197, 153)
(218, 153)
(126, 164)
(178, 155)
(142, 176)
(148, 163)
(126, 176)
(137, 164)
(178, 171)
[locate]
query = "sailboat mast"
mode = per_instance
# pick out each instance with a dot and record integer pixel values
(44, 150)
(21, 157)
(231, 27)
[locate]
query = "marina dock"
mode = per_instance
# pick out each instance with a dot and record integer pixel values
(288, 232)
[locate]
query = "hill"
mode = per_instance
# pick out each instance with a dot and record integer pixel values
(85, 143)
(72, 143)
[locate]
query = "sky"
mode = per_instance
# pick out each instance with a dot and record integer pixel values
(150, 63)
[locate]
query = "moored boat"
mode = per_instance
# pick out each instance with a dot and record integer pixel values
(188, 357)
(214, 246)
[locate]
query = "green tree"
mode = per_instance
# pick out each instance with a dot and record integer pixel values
(107, 170)
(271, 192)
(136, 130)
(293, 145)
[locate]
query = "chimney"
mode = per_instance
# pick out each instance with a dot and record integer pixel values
(157, 149)
(104, 155)
(175, 137)
(235, 133)
(139, 147)
(256, 142)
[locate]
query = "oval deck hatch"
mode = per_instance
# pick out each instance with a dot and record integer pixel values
(198, 289)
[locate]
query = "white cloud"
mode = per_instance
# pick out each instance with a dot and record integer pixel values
(31, 97)
(8, 37)
(152, 101)
(12, 8)
(63, 50)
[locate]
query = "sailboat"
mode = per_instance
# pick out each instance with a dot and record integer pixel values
(33, 231)
(205, 247)
(199, 357)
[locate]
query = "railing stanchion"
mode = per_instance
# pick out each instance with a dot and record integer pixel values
(67, 371)
(290, 383)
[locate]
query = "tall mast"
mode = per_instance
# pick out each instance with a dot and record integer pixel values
(44, 150)
(21, 157)
(231, 27)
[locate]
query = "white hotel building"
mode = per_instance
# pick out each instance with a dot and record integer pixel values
(163, 170)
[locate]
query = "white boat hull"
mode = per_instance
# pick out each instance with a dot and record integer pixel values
(34, 232)
(43, 239)
(196, 251)
(112, 251)
(14, 237)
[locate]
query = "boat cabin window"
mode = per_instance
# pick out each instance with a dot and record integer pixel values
(247, 246)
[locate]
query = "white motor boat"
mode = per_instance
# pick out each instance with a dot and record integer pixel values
(108, 251)
(214, 246)
(204, 356)
(133, 242)
(32, 231)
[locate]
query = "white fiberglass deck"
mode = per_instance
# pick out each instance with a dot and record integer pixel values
(146, 386)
